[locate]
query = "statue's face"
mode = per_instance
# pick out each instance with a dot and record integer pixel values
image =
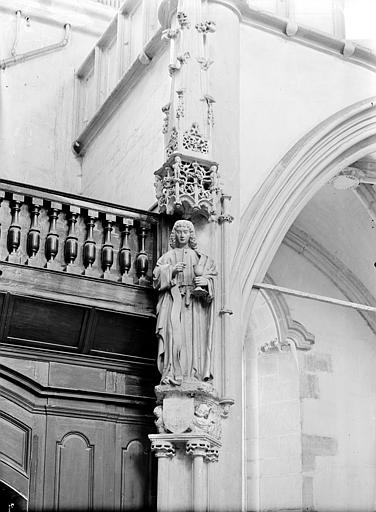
(182, 236)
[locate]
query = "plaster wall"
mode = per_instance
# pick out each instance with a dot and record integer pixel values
(286, 89)
(37, 96)
(119, 165)
(334, 464)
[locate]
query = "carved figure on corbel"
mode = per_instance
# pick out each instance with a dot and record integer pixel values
(206, 26)
(297, 336)
(159, 419)
(183, 21)
(166, 119)
(275, 345)
(202, 419)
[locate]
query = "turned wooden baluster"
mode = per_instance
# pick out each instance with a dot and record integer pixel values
(52, 239)
(14, 231)
(90, 251)
(142, 262)
(108, 248)
(125, 259)
(71, 242)
(33, 235)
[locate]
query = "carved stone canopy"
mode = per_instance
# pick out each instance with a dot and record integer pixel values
(189, 186)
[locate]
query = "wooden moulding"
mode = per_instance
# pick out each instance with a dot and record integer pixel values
(77, 289)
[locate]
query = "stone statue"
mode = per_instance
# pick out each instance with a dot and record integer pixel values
(185, 279)
(202, 422)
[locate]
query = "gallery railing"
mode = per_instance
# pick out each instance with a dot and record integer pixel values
(68, 233)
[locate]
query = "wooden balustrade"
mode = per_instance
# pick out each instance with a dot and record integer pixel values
(71, 234)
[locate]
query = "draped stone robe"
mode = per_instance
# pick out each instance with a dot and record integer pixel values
(184, 321)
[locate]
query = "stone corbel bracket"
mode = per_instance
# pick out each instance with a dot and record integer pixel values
(193, 408)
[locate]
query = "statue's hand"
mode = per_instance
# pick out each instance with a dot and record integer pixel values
(179, 267)
(200, 281)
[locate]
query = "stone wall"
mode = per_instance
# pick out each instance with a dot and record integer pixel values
(315, 409)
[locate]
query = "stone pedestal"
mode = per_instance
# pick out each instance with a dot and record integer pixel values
(183, 461)
(188, 419)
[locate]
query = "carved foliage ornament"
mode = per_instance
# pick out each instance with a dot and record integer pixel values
(206, 26)
(205, 63)
(172, 145)
(183, 20)
(170, 33)
(193, 140)
(180, 105)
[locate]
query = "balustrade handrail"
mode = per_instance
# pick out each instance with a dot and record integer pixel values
(64, 232)
(76, 200)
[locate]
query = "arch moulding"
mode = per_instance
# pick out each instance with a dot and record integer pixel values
(335, 143)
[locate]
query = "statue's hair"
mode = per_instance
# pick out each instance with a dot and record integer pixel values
(192, 235)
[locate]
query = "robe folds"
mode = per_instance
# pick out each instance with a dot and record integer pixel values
(184, 321)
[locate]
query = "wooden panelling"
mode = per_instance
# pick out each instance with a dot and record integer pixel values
(123, 334)
(84, 456)
(61, 327)
(68, 376)
(14, 442)
(74, 473)
(44, 322)
(134, 477)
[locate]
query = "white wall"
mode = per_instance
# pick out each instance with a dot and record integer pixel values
(286, 89)
(37, 96)
(119, 164)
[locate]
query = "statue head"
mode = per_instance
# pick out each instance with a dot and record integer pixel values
(184, 228)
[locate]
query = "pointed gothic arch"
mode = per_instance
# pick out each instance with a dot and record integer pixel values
(348, 135)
